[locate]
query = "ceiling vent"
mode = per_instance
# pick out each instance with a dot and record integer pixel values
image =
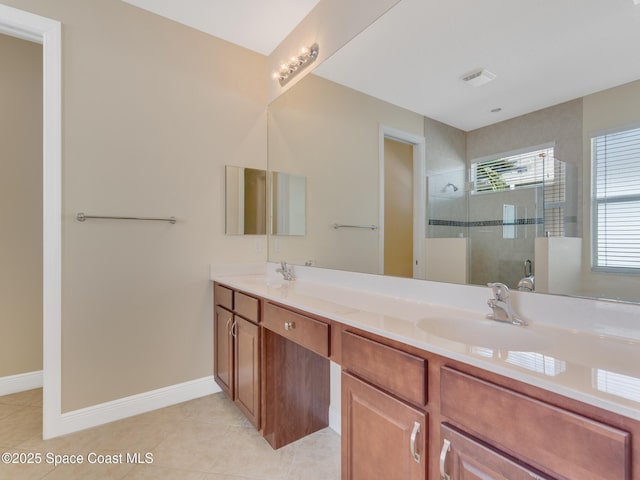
(479, 77)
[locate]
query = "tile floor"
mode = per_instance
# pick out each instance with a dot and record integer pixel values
(204, 439)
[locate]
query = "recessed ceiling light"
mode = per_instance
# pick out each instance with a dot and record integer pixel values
(637, 2)
(479, 77)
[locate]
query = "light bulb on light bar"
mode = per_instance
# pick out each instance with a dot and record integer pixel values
(296, 64)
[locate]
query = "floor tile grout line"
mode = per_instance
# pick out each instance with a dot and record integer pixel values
(193, 413)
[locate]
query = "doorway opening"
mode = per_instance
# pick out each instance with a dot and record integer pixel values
(402, 203)
(21, 211)
(28, 26)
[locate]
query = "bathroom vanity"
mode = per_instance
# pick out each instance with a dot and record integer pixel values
(425, 392)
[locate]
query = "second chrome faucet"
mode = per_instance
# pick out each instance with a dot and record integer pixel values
(501, 305)
(286, 271)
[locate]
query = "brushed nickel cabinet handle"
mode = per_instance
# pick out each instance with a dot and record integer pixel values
(443, 458)
(412, 444)
(227, 327)
(234, 328)
(289, 325)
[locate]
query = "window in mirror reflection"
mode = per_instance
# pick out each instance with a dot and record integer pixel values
(245, 202)
(616, 201)
(514, 171)
(288, 204)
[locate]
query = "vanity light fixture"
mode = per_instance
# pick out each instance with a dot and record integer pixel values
(289, 70)
(478, 77)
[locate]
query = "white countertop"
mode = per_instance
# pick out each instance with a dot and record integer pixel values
(601, 369)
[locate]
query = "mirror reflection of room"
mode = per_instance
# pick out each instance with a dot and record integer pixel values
(246, 200)
(288, 204)
(522, 222)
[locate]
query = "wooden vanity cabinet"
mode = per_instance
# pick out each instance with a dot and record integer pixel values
(247, 369)
(407, 413)
(476, 424)
(550, 439)
(223, 350)
(382, 437)
(295, 375)
(236, 366)
(384, 424)
(464, 458)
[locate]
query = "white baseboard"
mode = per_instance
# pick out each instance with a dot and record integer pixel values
(20, 382)
(134, 405)
(335, 423)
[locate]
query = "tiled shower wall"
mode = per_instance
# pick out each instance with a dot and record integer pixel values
(498, 251)
(451, 214)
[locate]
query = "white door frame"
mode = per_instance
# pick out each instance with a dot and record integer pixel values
(28, 26)
(419, 195)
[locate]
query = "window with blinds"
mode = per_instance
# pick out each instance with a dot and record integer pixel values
(616, 201)
(513, 171)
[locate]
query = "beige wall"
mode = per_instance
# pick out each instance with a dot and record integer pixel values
(447, 147)
(331, 135)
(20, 206)
(610, 109)
(152, 111)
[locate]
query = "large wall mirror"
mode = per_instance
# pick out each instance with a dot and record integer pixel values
(412, 171)
(288, 204)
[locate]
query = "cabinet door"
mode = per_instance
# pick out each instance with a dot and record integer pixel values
(463, 458)
(247, 368)
(382, 437)
(223, 346)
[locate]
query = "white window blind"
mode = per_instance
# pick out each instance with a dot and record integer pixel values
(616, 201)
(513, 171)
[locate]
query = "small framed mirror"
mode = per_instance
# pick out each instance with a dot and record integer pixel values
(245, 201)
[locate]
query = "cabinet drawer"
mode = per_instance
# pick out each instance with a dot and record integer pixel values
(556, 441)
(400, 373)
(465, 458)
(305, 331)
(223, 296)
(247, 307)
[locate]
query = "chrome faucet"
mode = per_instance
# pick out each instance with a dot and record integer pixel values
(501, 306)
(528, 283)
(286, 271)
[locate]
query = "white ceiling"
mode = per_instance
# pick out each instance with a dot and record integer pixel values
(259, 25)
(543, 53)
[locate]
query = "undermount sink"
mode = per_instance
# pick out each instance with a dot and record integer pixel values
(485, 333)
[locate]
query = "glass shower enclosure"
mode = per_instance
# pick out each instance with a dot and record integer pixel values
(501, 206)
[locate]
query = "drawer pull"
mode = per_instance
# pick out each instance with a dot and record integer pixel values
(289, 325)
(234, 328)
(412, 445)
(443, 458)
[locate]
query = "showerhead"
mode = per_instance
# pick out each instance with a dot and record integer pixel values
(455, 189)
